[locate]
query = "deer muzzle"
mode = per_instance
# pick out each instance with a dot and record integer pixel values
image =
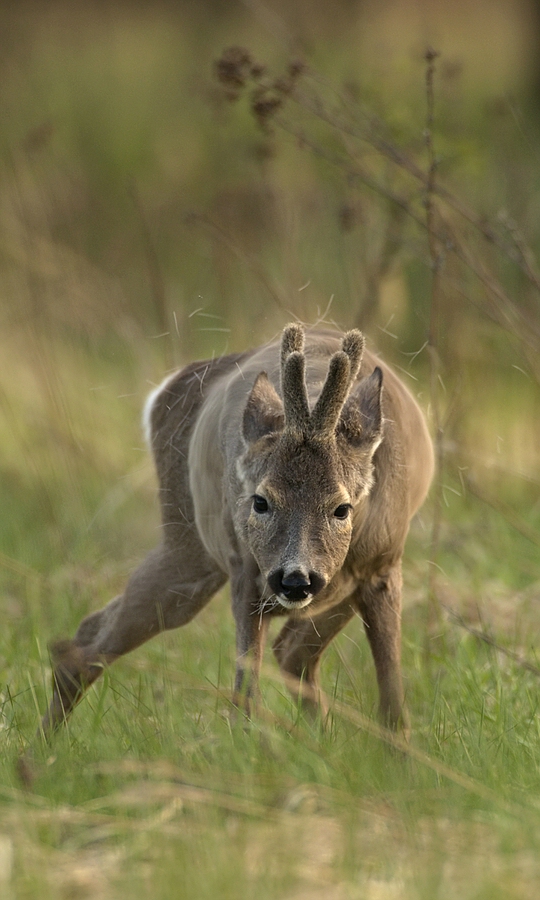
(295, 589)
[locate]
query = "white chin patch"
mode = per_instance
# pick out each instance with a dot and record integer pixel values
(294, 604)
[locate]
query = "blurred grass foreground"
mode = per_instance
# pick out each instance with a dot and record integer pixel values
(181, 180)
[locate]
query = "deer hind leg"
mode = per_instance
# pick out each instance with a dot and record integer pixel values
(298, 649)
(379, 604)
(166, 591)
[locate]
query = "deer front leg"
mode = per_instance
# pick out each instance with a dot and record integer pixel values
(251, 631)
(298, 649)
(379, 604)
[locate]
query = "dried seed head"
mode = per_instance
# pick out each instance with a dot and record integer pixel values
(296, 68)
(233, 68)
(264, 106)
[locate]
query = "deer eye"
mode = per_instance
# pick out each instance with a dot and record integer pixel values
(342, 511)
(259, 504)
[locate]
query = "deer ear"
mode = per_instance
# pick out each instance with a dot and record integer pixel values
(263, 413)
(361, 419)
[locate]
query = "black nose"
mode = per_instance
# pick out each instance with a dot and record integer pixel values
(296, 585)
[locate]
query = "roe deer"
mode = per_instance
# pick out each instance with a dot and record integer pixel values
(290, 473)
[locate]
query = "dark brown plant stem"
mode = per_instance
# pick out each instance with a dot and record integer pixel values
(487, 638)
(436, 260)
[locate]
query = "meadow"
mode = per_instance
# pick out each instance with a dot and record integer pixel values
(163, 198)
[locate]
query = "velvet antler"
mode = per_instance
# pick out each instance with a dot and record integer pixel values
(342, 371)
(353, 344)
(293, 381)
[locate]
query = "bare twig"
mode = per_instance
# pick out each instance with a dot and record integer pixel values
(500, 306)
(371, 134)
(488, 639)
(347, 119)
(436, 259)
(390, 246)
(526, 531)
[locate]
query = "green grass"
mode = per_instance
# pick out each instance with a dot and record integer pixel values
(153, 786)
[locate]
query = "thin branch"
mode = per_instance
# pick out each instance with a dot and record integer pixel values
(504, 309)
(436, 258)
(488, 639)
(516, 250)
(525, 530)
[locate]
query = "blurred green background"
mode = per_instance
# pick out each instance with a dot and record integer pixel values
(150, 216)
(145, 219)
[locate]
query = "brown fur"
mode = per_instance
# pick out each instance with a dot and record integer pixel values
(285, 470)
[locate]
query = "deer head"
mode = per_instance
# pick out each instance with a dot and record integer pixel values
(304, 470)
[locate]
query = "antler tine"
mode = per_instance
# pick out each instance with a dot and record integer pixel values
(293, 382)
(292, 340)
(294, 389)
(342, 371)
(353, 345)
(325, 415)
